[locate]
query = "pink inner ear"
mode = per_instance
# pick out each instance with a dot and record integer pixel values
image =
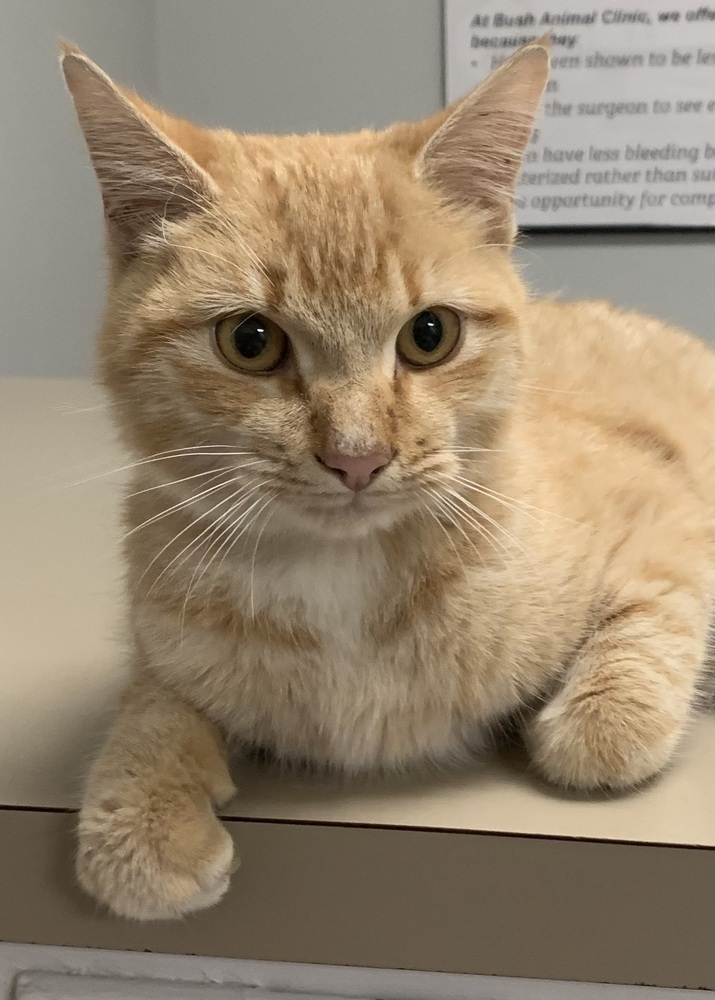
(143, 175)
(475, 157)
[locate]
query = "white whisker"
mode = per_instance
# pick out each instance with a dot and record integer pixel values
(187, 501)
(233, 536)
(164, 457)
(175, 482)
(211, 541)
(445, 511)
(545, 388)
(518, 506)
(206, 253)
(496, 544)
(425, 507)
(271, 498)
(74, 411)
(479, 513)
(243, 492)
(173, 539)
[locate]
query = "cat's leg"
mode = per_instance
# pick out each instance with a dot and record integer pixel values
(627, 697)
(150, 845)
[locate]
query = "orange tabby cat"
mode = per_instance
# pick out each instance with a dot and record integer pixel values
(383, 500)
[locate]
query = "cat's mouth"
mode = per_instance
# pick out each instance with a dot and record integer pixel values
(358, 511)
(354, 503)
(381, 499)
(380, 505)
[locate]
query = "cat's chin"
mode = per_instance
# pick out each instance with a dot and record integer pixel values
(358, 517)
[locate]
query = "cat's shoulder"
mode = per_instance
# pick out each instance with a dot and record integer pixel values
(606, 332)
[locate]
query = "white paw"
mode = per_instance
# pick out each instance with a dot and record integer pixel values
(160, 861)
(604, 740)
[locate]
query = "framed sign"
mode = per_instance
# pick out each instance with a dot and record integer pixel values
(626, 134)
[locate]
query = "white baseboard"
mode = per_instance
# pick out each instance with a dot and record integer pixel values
(36, 972)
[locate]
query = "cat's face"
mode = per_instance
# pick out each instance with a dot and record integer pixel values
(346, 315)
(314, 318)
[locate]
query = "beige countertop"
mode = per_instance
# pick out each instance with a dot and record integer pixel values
(62, 661)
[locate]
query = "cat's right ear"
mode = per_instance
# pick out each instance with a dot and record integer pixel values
(144, 176)
(474, 155)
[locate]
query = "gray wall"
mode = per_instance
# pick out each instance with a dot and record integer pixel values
(300, 65)
(294, 65)
(671, 275)
(272, 65)
(50, 213)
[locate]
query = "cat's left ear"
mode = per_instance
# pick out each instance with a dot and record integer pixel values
(475, 155)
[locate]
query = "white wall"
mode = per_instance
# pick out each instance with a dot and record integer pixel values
(274, 65)
(50, 211)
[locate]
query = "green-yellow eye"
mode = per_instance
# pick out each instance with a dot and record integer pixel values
(252, 343)
(430, 337)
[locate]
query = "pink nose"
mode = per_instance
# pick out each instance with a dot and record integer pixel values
(357, 471)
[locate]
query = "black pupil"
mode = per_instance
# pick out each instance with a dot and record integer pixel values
(427, 331)
(251, 337)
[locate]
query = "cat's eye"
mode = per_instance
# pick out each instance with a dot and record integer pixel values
(429, 337)
(252, 343)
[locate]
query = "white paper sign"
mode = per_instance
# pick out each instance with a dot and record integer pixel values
(626, 135)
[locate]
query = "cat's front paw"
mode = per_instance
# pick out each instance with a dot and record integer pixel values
(157, 859)
(591, 739)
